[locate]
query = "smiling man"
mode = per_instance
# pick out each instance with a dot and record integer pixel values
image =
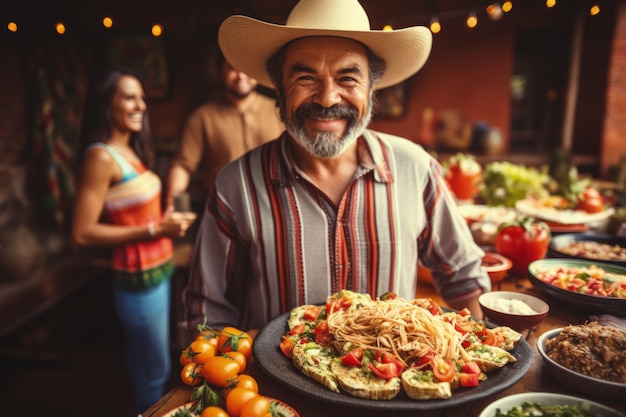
(330, 204)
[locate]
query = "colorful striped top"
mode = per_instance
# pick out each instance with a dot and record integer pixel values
(270, 240)
(136, 200)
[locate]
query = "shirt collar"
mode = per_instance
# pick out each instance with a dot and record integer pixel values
(370, 150)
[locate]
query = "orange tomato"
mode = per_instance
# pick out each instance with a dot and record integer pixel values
(246, 381)
(214, 411)
(186, 356)
(202, 350)
(233, 339)
(237, 398)
(191, 374)
(220, 370)
(239, 358)
(258, 406)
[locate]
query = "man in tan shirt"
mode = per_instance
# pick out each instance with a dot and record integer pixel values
(221, 130)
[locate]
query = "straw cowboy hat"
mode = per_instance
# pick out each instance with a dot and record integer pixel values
(248, 43)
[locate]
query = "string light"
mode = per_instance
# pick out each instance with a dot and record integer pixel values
(435, 26)
(494, 11)
(507, 6)
(107, 22)
(471, 20)
(550, 3)
(595, 9)
(157, 30)
(60, 28)
(12, 26)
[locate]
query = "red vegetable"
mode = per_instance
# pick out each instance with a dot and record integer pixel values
(523, 240)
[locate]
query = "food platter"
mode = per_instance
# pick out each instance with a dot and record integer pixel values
(574, 380)
(269, 357)
(583, 303)
(530, 207)
(561, 241)
(285, 410)
(546, 398)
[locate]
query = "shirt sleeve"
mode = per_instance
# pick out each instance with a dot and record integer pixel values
(210, 296)
(447, 247)
(190, 149)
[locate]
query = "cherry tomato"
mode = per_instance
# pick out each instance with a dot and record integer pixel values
(523, 240)
(258, 406)
(384, 370)
(186, 356)
(214, 411)
(590, 201)
(236, 398)
(286, 346)
(231, 338)
(202, 350)
(443, 369)
(191, 374)
(471, 368)
(322, 333)
(468, 380)
(353, 358)
(220, 370)
(248, 382)
(239, 358)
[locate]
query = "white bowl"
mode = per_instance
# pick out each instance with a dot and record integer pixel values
(546, 398)
(518, 322)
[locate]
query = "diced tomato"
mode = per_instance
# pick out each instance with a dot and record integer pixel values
(353, 358)
(468, 380)
(311, 313)
(337, 304)
(384, 370)
(489, 338)
(322, 333)
(286, 346)
(299, 329)
(434, 308)
(465, 312)
(385, 357)
(471, 368)
(443, 369)
(425, 360)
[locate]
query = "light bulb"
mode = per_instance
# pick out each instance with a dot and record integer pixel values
(550, 3)
(595, 9)
(507, 6)
(12, 26)
(107, 22)
(471, 20)
(157, 30)
(494, 11)
(60, 28)
(435, 26)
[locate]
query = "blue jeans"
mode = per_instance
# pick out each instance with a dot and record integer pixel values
(145, 316)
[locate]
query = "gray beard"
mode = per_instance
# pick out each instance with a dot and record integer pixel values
(326, 145)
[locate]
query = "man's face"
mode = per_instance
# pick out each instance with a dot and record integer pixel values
(237, 83)
(326, 100)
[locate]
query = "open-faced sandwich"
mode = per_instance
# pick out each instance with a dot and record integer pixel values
(375, 349)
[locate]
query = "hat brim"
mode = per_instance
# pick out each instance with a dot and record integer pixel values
(248, 43)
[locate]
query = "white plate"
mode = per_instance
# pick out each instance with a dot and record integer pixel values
(530, 208)
(546, 398)
(487, 214)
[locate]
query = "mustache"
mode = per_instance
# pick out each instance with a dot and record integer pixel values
(316, 111)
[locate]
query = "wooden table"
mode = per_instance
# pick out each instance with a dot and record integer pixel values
(536, 379)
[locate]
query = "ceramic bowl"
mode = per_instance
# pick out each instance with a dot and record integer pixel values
(496, 266)
(504, 308)
(505, 404)
(576, 381)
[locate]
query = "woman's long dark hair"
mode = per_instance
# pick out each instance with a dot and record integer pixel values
(97, 124)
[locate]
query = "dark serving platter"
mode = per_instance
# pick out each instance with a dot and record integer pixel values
(268, 355)
(583, 303)
(561, 241)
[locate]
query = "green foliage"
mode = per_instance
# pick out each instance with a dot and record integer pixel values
(505, 183)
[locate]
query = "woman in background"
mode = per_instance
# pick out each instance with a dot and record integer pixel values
(118, 205)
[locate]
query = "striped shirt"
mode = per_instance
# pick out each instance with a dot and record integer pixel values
(270, 240)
